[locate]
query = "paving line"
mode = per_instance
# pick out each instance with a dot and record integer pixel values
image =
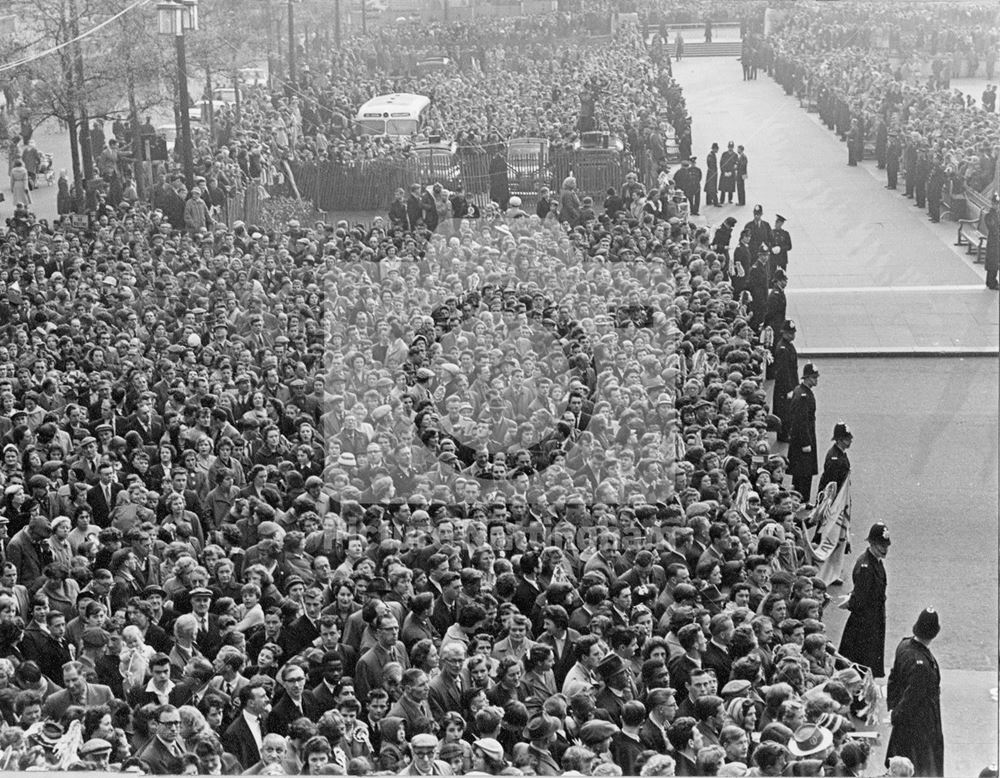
(893, 289)
(875, 352)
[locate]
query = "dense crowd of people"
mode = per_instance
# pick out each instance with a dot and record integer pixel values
(489, 80)
(502, 495)
(861, 65)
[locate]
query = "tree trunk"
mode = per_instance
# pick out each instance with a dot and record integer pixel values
(211, 102)
(86, 152)
(138, 170)
(74, 152)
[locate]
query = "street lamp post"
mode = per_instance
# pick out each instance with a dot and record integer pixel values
(175, 18)
(291, 50)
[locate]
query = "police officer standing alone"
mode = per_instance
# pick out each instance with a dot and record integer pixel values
(914, 699)
(863, 640)
(803, 462)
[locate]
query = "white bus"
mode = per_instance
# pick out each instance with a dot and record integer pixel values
(398, 115)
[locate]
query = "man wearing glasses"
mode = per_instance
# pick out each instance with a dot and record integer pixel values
(388, 648)
(163, 754)
(295, 703)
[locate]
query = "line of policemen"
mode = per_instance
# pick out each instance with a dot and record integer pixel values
(928, 176)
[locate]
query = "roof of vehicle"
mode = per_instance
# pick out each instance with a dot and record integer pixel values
(442, 146)
(599, 141)
(398, 105)
(527, 141)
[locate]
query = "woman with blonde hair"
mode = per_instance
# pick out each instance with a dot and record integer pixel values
(58, 542)
(193, 725)
(133, 661)
(569, 201)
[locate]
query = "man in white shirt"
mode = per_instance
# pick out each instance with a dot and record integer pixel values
(244, 738)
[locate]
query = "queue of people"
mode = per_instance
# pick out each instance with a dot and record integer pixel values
(943, 142)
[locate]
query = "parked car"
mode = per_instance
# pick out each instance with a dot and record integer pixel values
(598, 140)
(438, 163)
(432, 65)
(528, 165)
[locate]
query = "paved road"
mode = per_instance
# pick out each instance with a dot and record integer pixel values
(869, 273)
(925, 462)
(848, 232)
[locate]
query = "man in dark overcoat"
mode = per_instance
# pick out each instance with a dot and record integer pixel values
(712, 176)
(728, 163)
(992, 220)
(803, 462)
(756, 284)
(786, 377)
(760, 230)
(837, 465)
(781, 243)
(742, 164)
(694, 173)
(863, 640)
(892, 154)
(914, 699)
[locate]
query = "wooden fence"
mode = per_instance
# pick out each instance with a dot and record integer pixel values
(371, 184)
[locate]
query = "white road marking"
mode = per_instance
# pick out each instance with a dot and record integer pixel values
(880, 289)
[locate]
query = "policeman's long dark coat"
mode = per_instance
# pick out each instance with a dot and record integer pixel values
(727, 171)
(802, 432)
(914, 699)
(863, 640)
(786, 378)
(783, 241)
(711, 172)
(836, 467)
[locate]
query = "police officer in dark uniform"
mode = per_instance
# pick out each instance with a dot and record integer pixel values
(935, 190)
(881, 142)
(914, 699)
(741, 176)
(993, 242)
(682, 180)
(837, 466)
(803, 462)
(694, 173)
(910, 165)
(892, 155)
(853, 137)
(781, 243)
(760, 230)
(774, 317)
(923, 173)
(756, 284)
(712, 177)
(786, 376)
(863, 640)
